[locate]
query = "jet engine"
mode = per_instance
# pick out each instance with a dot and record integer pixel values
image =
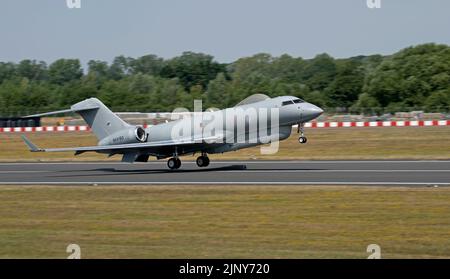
(140, 134)
(135, 134)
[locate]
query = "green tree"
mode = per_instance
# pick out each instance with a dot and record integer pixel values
(192, 69)
(98, 69)
(410, 76)
(65, 70)
(366, 104)
(258, 64)
(417, 76)
(7, 71)
(32, 70)
(438, 101)
(320, 72)
(120, 67)
(347, 85)
(288, 69)
(148, 64)
(218, 90)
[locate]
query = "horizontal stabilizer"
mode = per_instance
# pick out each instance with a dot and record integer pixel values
(73, 110)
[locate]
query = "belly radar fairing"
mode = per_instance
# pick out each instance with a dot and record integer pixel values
(256, 120)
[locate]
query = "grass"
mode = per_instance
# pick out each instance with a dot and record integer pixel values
(224, 222)
(340, 143)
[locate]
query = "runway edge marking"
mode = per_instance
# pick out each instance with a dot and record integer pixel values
(238, 183)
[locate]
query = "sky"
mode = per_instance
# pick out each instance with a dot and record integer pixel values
(227, 29)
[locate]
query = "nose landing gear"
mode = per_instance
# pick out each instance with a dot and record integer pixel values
(301, 130)
(203, 161)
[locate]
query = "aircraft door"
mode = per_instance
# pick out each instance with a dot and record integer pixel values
(300, 109)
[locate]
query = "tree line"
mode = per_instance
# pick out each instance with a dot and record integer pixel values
(417, 76)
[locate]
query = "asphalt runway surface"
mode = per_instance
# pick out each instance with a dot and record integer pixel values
(408, 173)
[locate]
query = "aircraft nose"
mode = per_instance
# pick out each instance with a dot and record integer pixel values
(313, 111)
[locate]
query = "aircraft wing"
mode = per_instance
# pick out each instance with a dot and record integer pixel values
(126, 147)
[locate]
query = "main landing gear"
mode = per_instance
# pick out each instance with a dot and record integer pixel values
(174, 163)
(203, 161)
(301, 130)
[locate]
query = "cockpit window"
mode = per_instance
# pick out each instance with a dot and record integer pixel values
(298, 101)
(285, 103)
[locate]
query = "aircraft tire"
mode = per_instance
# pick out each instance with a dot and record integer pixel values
(202, 161)
(302, 140)
(206, 163)
(174, 163)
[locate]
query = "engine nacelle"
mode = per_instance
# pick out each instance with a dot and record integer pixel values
(140, 134)
(132, 135)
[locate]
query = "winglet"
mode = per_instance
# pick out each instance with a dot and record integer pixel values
(31, 146)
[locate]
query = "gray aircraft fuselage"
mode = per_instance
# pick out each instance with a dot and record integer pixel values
(288, 115)
(256, 120)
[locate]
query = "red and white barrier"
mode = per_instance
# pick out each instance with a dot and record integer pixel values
(45, 129)
(421, 123)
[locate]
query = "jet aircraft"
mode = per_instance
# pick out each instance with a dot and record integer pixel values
(188, 135)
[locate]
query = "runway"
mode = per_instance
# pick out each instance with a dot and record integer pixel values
(407, 173)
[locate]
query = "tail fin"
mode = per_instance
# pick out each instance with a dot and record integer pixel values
(100, 118)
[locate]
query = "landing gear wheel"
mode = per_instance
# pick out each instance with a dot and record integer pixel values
(202, 161)
(206, 163)
(174, 163)
(302, 140)
(301, 130)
